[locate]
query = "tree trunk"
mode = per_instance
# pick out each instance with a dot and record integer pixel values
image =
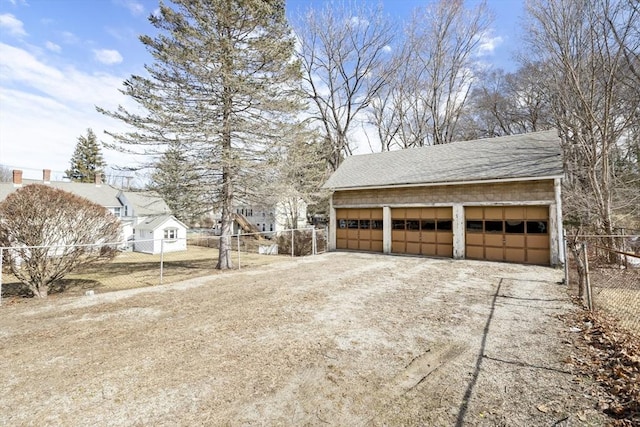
(224, 255)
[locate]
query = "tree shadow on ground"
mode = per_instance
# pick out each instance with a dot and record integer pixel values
(20, 290)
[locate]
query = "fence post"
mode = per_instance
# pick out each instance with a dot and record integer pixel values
(238, 238)
(314, 249)
(292, 240)
(587, 279)
(161, 259)
(566, 257)
(1, 256)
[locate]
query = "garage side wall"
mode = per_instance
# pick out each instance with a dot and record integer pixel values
(448, 194)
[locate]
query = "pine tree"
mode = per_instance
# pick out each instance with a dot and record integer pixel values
(179, 185)
(87, 160)
(224, 84)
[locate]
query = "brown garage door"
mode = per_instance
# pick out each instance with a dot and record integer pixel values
(510, 233)
(422, 231)
(359, 229)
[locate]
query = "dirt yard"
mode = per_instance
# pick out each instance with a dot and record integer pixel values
(336, 339)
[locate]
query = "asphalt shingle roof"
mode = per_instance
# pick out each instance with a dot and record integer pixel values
(147, 203)
(155, 221)
(103, 194)
(530, 155)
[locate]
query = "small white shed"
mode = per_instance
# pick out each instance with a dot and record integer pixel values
(160, 233)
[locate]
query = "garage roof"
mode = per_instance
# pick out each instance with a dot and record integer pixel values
(524, 156)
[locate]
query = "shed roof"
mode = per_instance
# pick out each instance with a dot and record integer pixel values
(154, 222)
(524, 156)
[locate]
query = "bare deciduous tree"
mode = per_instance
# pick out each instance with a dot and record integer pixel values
(511, 103)
(344, 49)
(5, 174)
(591, 48)
(39, 215)
(433, 74)
(300, 171)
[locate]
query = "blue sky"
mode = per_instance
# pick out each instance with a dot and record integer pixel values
(61, 58)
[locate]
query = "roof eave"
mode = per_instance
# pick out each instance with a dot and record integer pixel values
(441, 183)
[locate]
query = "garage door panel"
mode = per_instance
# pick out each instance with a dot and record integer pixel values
(428, 213)
(413, 213)
(538, 242)
(515, 255)
(429, 237)
(376, 246)
(397, 247)
(508, 233)
(537, 212)
(473, 212)
(357, 228)
(429, 249)
(514, 212)
(538, 256)
(475, 252)
(413, 248)
(493, 239)
(444, 213)
(413, 236)
(397, 235)
(475, 239)
(364, 245)
(493, 213)
(445, 238)
(445, 250)
(494, 254)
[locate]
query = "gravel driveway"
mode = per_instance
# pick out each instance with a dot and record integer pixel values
(335, 339)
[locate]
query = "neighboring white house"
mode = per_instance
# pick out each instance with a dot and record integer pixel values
(133, 208)
(270, 217)
(162, 233)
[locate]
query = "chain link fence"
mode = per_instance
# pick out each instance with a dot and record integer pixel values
(607, 279)
(151, 262)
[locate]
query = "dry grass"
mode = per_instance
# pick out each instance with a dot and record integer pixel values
(131, 270)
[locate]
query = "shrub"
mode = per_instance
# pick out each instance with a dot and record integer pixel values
(39, 224)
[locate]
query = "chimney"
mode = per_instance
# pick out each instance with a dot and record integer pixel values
(17, 178)
(46, 176)
(98, 179)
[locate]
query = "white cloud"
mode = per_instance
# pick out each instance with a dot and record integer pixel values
(53, 47)
(44, 109)
(107, 56)
(69, 37)
(488, 44)
(136, 8)
(12, 25)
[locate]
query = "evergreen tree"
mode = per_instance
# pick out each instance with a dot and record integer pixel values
(87, 160)
(178, 183)
(223, 84)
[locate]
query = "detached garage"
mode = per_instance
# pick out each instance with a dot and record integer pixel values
(492, 199)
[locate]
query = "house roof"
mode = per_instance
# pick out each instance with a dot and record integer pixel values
(146, 203)
(154, 222)
(103, 195)
(524, 156)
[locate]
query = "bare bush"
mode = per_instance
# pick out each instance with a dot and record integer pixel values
(39, 223)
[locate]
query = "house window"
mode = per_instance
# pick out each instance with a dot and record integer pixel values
(116, 211)
(171, 233)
